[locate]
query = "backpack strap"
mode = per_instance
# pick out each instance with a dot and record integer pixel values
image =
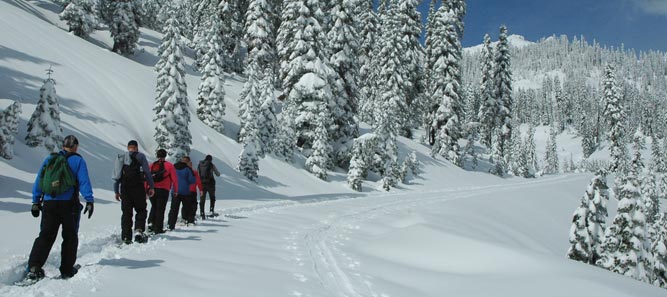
(75, 195)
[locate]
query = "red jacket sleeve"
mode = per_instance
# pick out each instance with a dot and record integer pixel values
(198, 183)
(173, 177)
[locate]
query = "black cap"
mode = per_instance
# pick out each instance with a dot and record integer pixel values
(208, 158)
(70, 141)
(133, 142)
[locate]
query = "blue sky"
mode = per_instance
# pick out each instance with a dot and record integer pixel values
(639, 24)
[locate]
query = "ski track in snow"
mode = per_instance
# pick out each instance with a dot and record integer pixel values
(316, 246)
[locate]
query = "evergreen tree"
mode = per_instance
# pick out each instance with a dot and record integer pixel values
(80, 17)
(551, 156)
(172, 115)
(9, 127)
(308, 80)
(285, 142)
(659, 253)
(260, 34)
(502, 79)
(124, 27)
(615, 117)
(638, 144)
(318, 162)
(344, 49)
(285, 41)
(211, 97)
(406, 25)
(248, 160)
(150, 18)
(445, 79)
(488, 112)
(267, 120)
(623, 248)
(530, 151)
(498, 165)
(44, 125)
(370, 36)
(250, 95)
(588, 222)
(356, 172)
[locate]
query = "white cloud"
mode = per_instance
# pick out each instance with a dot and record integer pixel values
(652, 6)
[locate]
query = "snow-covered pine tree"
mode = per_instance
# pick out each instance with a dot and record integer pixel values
(551, 163)
(172, 115)
(308, 80)
(623, 249)
(370, 37)
(80, 17)
(284, 143)
(250, 94)
(344, 50)
(234, 17)
(284, 41)
(248, 160)
(150, 18)
(498, 165)
(9, 127)
(615, 118)
(588, 222)
(410, 167)
(530, 151)
(502, 81)
(638, 144)
(659, 253)
(211, 97)
(318, 163)
(44, 125)
(445, 86)
(355, 174)
(124, 27)
(267, 125)
(488, 111)
(407, 27)
(260, 34)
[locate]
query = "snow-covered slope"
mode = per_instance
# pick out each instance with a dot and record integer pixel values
(447, 232)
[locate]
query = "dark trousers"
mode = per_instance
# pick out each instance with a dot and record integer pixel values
(190, 208)
(133, 200)
(56, 213)
(158, 209)
(173, 210)
(207, 189)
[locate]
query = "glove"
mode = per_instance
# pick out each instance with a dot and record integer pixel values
(89, 209)
(36, 208)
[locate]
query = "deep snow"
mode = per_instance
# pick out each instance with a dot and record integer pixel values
(446, 233)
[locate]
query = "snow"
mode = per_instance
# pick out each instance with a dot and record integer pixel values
(514, 40)
(448, 232)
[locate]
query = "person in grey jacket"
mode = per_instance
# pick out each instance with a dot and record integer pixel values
(129, 178)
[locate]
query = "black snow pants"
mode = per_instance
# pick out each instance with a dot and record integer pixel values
(158, 209)
(210, 190)
(54, 214)
(133, 199)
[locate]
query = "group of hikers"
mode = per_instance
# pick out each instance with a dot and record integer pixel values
(64, 175)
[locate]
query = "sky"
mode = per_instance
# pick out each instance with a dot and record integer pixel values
(639, 24)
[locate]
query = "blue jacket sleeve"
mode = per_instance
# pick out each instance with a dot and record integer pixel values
(191, 178)
(36, 191)
(85, 187)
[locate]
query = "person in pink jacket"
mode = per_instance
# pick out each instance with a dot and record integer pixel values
(164, 177)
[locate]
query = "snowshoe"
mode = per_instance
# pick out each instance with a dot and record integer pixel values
(75, 269)
(32, 276)
(213, 214)
(140, 237)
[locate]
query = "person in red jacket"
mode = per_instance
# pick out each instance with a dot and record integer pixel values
(164, 177)
(189, 210)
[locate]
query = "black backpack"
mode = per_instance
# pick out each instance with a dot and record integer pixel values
(132, 174)
(205, 171)
(158, 171)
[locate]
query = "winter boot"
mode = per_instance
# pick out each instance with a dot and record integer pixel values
(75, 269)
(139, 236)
(35, 273)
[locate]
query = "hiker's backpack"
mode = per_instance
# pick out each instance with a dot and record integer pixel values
(205, 171)
(56, 176)
(132, 174)
(158, 171)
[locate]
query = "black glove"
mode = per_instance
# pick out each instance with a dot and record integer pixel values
(89, 209)
(36, 208)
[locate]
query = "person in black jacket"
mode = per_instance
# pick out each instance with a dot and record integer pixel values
(206, 169)
(130, 190)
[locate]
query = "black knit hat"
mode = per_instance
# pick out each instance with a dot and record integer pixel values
(70, 141)
(133, 143)
(208, 158)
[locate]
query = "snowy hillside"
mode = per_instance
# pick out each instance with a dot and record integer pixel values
(516, 41)
(448, 232)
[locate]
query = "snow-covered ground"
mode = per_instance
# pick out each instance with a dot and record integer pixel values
(447, 232)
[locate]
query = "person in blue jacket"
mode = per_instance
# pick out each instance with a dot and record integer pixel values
(64, 209)
(185, 178)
